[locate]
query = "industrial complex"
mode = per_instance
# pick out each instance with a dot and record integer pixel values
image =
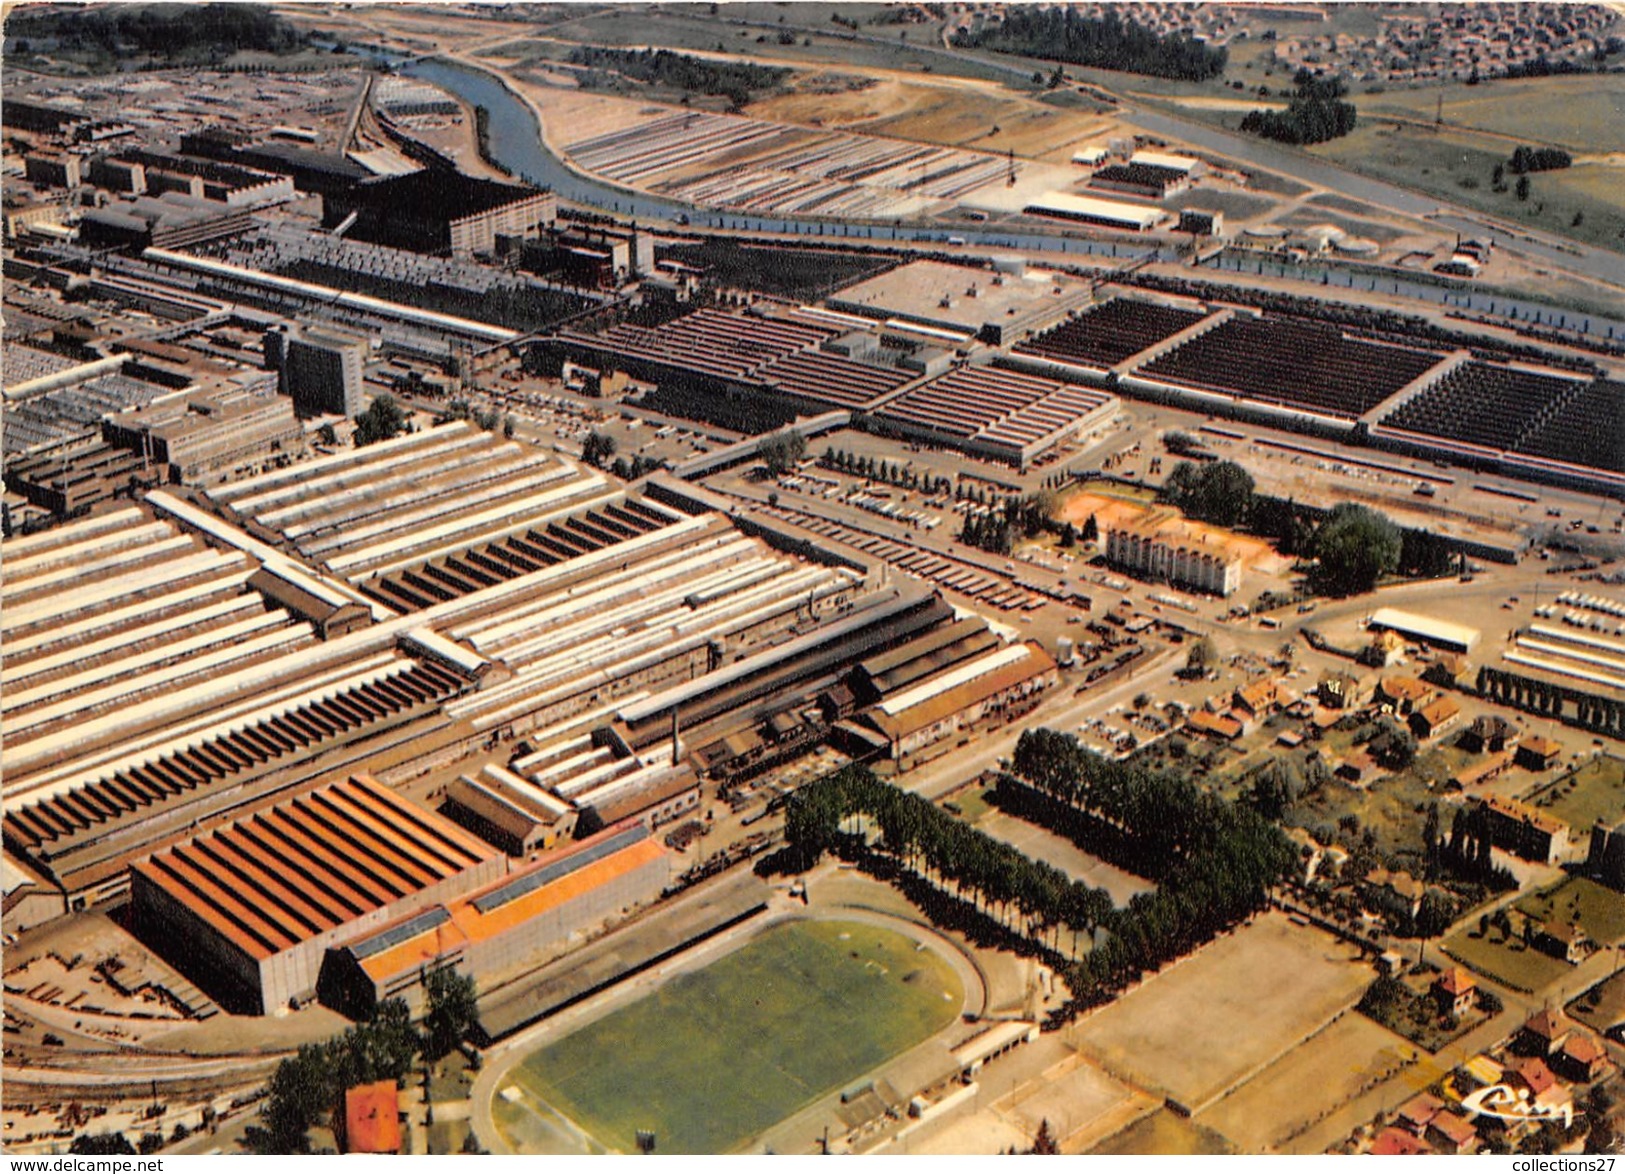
(930, 579)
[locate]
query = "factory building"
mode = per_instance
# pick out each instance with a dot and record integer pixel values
(997, 307)
(510, 811)
(996, 684)
(1096, 212)
(53, 170)
(493, 930)
(258, 902)
(435, 211)
(1436, 633)
(322, 369)
(172, 220)
(207, 179)
(210, 436)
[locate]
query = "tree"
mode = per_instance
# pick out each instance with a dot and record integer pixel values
(1091, 530)
(1522, 188)
(383, 420)
(782, 451)
(598, 448)
(327, 435)
(1202, 654)
(150, 1143)
(1354, 547)
(452, 1011)
(1220, 492)
(1394, 746)
(101, 1143)
(1044, 1142)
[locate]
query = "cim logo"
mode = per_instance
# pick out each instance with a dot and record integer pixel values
(1508, 1104)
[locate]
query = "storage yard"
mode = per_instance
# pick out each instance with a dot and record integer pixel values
(751, 165)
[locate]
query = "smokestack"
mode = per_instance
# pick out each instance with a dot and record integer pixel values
(676, 742)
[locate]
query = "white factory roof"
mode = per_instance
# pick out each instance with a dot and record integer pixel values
(1161, 159)
(952, 679)
(1425, 627)
(1128, 215)
(1089, 155)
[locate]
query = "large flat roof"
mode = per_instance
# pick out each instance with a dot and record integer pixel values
(1108, 211)
(1440, 632)
(936, 292)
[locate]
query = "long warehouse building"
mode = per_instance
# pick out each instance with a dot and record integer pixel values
(259, 901)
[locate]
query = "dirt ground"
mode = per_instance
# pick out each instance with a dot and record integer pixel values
(1307, 1082)
(1200, 1026)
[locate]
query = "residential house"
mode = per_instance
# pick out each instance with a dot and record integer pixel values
(1539, 753)
(1454, 991)
(1338, 689)
(1449, 1134)
(1416, 1114)
(1525, 832)
(1435, 718)
(1583, 1058)
(1564, 939)
(1401, 884)
(1490, 734)
(1392, 1141)
(1257, 700)
(1545, 1032)
(1402, 695)
(1546, 1091)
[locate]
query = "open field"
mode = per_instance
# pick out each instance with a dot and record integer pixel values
(632, 27)
(1598, 910)
(1509, 961)
(1164, 1132)
(1458, 166)
(1200, 1026)
(1284, 1099)
(1583, 113)
(949, 114)
(1043, 844)
(1585, 795)
(713, 1058)
(1081, 1100)
(1603, 1006)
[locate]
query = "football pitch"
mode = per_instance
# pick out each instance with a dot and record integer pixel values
(713, 1058)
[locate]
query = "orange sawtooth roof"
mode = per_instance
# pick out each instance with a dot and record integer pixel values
(311, 863)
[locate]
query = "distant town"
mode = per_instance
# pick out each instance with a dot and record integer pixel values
(813, 578)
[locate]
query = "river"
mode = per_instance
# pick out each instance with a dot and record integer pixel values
(515, 141)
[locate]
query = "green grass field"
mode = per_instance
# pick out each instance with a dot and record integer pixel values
(1583, 796)
(716, 1057)
(1599, 910)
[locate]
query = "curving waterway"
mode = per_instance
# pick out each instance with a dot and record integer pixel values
(515, 141)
